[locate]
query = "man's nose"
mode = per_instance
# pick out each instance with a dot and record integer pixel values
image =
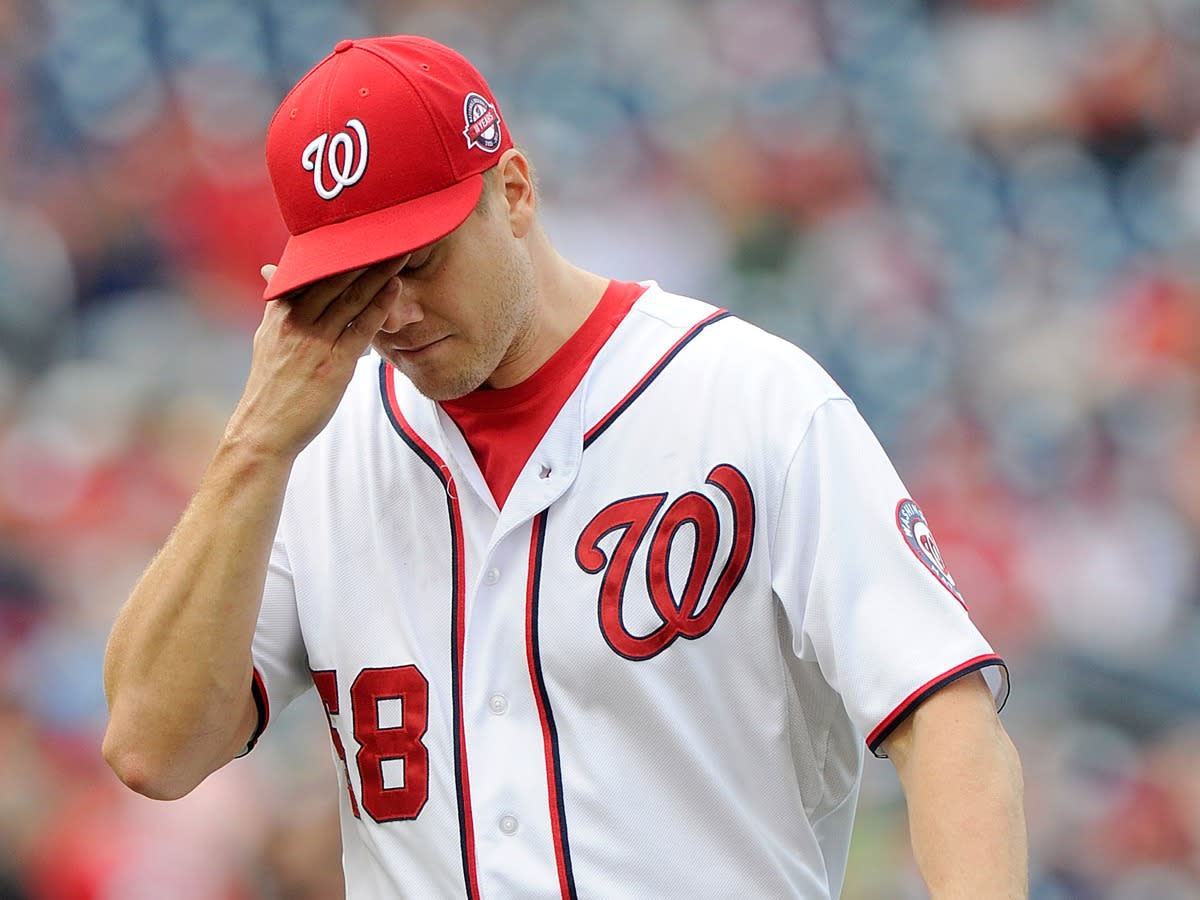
(403, 310)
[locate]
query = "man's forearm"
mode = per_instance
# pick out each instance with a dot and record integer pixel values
(962, 780)
(177, 668)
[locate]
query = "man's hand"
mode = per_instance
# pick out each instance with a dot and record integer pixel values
(305, 352)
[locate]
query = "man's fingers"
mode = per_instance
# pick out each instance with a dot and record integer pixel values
(309, 303)
(357, 335)
(336, 300)
(347, 305)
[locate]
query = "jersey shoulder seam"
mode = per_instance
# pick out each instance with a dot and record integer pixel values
(796, 453)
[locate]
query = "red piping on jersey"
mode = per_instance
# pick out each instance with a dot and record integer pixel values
(458, 629)
(262, 703)
(558, 822)
(654, 372)
(884, 729)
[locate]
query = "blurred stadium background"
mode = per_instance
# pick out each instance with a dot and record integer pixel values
(982, 217)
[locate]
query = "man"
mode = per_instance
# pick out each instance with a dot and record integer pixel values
(604, 591)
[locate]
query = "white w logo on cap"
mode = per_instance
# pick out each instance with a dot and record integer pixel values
(340, 162)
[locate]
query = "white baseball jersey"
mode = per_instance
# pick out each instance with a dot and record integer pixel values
(654, 671)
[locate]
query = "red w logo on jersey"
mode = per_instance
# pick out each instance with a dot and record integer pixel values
(680, 614)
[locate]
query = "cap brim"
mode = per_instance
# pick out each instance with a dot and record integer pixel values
(373, 237)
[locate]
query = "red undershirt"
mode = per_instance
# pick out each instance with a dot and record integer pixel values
(502, 427)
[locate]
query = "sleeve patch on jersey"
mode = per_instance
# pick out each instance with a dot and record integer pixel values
(912, 524)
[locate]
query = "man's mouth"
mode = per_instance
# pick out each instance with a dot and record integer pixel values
(417, 347)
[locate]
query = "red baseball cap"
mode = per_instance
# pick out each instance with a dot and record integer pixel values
(377, 151)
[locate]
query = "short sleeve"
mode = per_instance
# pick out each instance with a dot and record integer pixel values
(866, 591)
(280, 663)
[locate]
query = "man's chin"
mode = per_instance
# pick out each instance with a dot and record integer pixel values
(437, 389)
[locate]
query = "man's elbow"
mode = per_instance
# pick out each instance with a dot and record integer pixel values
(139, 771)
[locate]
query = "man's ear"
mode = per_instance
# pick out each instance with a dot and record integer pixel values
(520, 195)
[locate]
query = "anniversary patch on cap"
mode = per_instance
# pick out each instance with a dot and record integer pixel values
(483, 123)
(919, 537)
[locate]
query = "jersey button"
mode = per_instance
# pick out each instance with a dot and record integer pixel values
(491, 576)
(508, 824)
(498, 704)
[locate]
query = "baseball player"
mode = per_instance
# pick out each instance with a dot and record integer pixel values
(606, 592)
